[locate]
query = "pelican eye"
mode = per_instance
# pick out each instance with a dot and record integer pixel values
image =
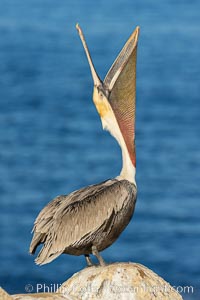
(101, 95)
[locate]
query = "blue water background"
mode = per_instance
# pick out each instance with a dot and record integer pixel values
(51, 141)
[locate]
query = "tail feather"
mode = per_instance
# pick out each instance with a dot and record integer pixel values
(38, 239)
(47, 253)
(43, 259)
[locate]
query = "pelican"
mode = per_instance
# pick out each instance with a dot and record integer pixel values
(89, 220)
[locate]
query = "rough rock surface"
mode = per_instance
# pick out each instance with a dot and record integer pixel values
(119, 281)
(41, 296)
(4, 295)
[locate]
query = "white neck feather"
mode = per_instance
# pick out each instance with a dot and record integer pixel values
(128, 171)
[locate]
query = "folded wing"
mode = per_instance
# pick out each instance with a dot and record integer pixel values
(68, 221)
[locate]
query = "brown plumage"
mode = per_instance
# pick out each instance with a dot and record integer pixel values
(94, 215)
(91, 219)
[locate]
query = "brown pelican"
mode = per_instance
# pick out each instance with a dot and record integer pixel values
(89, 220)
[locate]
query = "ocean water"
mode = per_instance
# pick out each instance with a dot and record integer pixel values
(51, 141)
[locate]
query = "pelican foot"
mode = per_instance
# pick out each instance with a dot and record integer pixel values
(96, 253)
(88, 260)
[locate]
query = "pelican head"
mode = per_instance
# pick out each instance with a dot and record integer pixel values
(114, 97)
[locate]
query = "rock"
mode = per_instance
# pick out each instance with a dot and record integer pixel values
(41, 296)
(119, 281)
(4, 295)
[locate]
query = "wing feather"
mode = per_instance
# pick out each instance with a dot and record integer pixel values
(67, 221)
